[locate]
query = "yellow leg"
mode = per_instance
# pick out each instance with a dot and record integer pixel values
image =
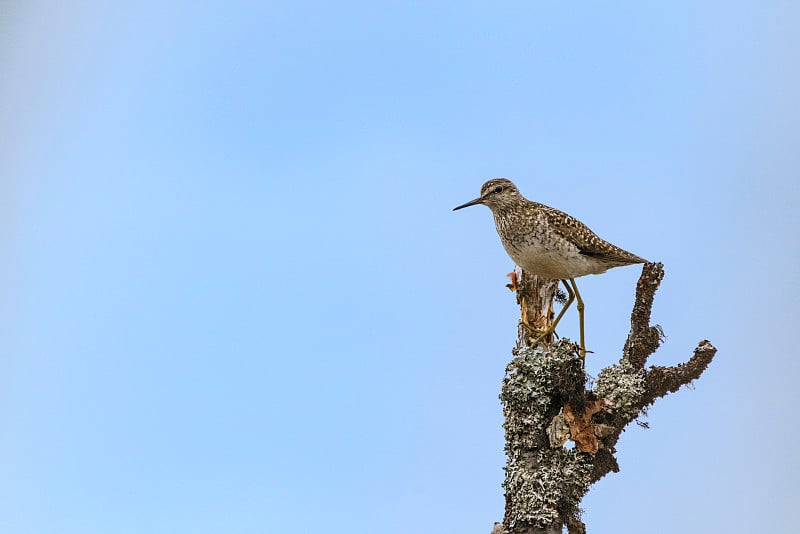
(580, 316)
(552, 328)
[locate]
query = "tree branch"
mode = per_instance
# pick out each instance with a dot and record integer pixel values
(660, 381)
(643, 339)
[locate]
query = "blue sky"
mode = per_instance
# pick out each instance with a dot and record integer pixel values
(236, 298)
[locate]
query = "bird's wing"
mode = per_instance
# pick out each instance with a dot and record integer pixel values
(589, 243)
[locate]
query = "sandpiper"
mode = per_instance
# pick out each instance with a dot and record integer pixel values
(549, 243)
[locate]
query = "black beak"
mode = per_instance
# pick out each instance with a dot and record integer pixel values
(478, 200)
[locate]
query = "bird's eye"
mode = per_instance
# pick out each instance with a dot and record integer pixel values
(498, 189)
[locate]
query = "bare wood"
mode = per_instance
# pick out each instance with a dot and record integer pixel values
(535, 297)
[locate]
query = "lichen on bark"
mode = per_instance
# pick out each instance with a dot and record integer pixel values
(546, 402)
(622, 387)
(540, 480)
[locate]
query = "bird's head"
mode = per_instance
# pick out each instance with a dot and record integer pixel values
(497, 194)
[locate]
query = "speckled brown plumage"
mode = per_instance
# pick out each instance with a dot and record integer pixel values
(545, 241)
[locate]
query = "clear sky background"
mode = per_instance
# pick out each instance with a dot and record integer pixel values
(235, 298)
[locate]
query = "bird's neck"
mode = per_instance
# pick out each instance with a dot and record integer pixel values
(514, 209)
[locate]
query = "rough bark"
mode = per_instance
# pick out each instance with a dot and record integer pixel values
(546, 404)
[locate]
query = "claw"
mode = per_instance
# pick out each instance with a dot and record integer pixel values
(538, 336)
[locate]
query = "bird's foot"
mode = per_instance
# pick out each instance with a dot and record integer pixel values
(533, 331)
(539, 336)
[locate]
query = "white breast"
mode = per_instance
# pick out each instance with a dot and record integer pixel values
(554, 260)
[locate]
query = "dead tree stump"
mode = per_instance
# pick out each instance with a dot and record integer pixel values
(561, 436)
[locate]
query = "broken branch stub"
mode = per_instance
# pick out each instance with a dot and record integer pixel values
(535, 297)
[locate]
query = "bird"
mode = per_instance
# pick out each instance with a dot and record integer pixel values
(549, 243)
